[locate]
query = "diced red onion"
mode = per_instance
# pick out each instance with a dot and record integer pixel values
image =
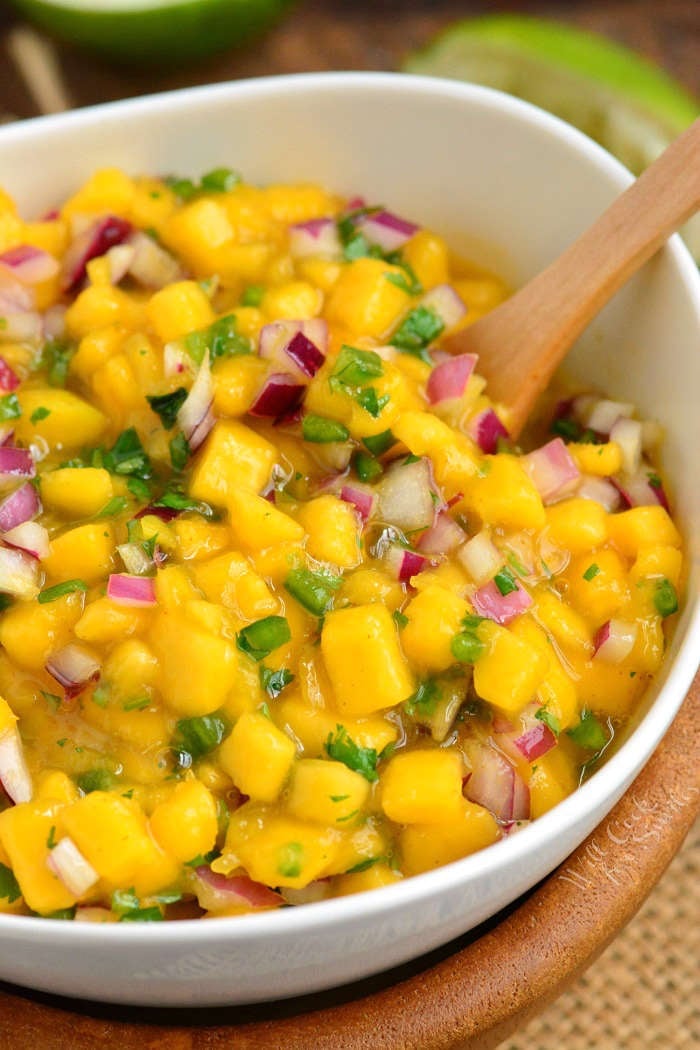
(30, 537)
(614, 641)
(21, 505)
(486, 429)
(137, 591)
(21, 326)
(551, 469)
(55, 321)
(385, 229)
(19, 573)
(165, 514)
(73, 667)
(405, 496)
(281, 393)
(119, 258)
(15, 462)
(94, 241)
(176, 360)
(296, 346)
(449, 379)
(443, 536)
(602, 414)
(496, 785)
(502, 608)
(446, 303)
(480, 557)
(627, 433)
(69, 865)
(404, 564)
(29, 264)
(535, 741)
(8, 379)
(195, 417)
(599, 490)
(15, 297)
(315, 237)
(361, 497)
(636, 490)
(14, 772)
(215, 891)
(151, 265)
(135, 559)
(354, 204)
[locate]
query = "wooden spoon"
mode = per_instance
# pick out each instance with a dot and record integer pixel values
(522, 341)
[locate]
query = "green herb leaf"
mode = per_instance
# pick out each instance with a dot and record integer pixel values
(179, 452)
(665, 598)
(198, 736)
(550, 720)
(363, 865)
(115, 506)
(467, 647)
(566, 428)
(252, 295)
(505, 581)
(342, 748)
(137, 703)
(220, 180)
(9, 407)
(53, 701)
(368, 400)
(58, 591)
(175, 499)
(589, 733)
(313, 590)
(425, 699)
(39, 413)
(221, 340)
(399, 618)
(51, 838)
(273, 682)
(321, 431)
(9, 887)
(185, 189)
(167, 406)
(94, 780)
(290, 859)
(354, 367)
(418, 330)
(55, 358)
(127, 456)
(261, 638)
(591, 572)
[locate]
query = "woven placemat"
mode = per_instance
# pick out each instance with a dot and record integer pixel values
(644, 991)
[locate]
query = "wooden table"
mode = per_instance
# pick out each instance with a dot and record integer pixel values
(469, 995)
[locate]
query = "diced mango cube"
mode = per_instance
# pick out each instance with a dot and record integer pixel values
(257, 756)
(24, 832)
(365, 301)
(453, 455)
(597, 584)
(236, 383)
(663, 561)
(372, 878)
(365, 664)
(643, 527)
(85, 553)
(277, 850)
(423, 786)
(552, 780)
(198, 539)
(578, 525)
(326, 791)
(503, 494)
(196, 678)
(178, 309)
(600, 460)
(234, 457)
(434, 618)
(69, 421)
(333, 531)
(428, 257)
(427, 846)
(256, 523)
(511, 670)
(78, 492)
(185, 824)
(30, 632)
(100, 306)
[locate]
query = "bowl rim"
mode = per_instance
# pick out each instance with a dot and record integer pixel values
(674, 678)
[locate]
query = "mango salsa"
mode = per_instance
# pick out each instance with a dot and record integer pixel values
(285, 613)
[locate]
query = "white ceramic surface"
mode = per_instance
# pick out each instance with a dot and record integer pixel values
(510, 187)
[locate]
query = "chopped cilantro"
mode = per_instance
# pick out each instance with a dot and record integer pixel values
(665, 598)
(589, 733)
(174, 499)
(126, 457)
(58, 591)
(313, 590)
(368, 400)
(505, 581)
(55, 358)
(425, 699)
(290, 859)
(137, 703)
(467, 647)
(39, 413)
(167, 406)
(115, 506)
(200, 735)
(179, 452)
(417, 331)
(220, 180)
(406, 281)
(252, 295)
(9, 887)
(566, 428)
(9, 407)
(321, 431)
(399, 618)
(354, 367)
(550, 720)
(53, 701)
(273, 682)
(654, 480)
(139, 488)
(261, 638)
(342, 748)
(221, 340)
(51, 838)
(185, 189)
(94, 780)
(363, 865)
(591, 572)
(201, 860)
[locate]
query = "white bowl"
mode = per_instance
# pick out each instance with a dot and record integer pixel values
(510, 186)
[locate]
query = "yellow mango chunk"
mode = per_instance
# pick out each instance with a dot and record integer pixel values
(453, 455)
(70, 423)
(578, 525)
(278, 850)
(256, 523)
(312, 726)
(434, 618)
(197, 539)
(198, 229)
(174, 587)
(95, 349)
(234, 457)
(326, 791)
(503, 494)
(30, 632)
(428, 257)
(76, 491)
(600, 460)
(643, 527)
(365, 664)
(333, 531)
(371, 878)
(552, 780)
(111, 833)
(658, 561)
(231, 581)
(562, 622)
(363, 300)
(511, 670)
(85, 553)
(196, 678)
(294, 300)
(185, 824)
(597, 584)
(24, 832)
(55, 786)
(427, 846)
(237, 382)
(178, 309)
(257, 756)
(371, 585)
(104, 621)
(423, 787)
(100, 306)
(106, 190)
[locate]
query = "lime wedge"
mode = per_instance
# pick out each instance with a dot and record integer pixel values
(627, 104)
(163, 31)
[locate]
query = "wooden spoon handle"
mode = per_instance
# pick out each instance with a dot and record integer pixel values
(521, 343)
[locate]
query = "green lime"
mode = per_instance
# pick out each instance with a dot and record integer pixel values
(163, 31)
(627, 104)
(624, 102)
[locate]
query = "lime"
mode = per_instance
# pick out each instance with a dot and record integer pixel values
(163, 31)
